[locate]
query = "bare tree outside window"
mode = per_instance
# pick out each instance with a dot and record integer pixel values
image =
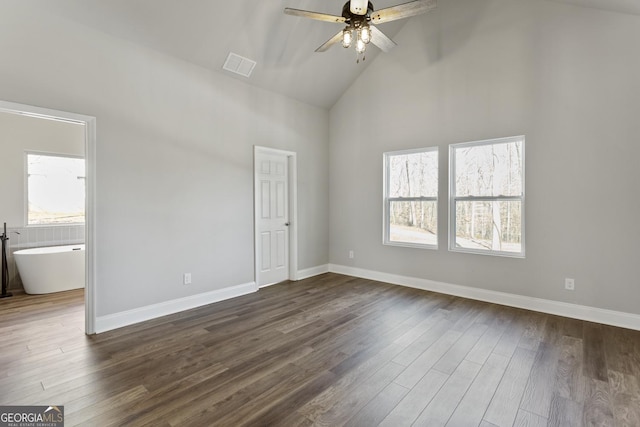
(411, 198)
(487, 196)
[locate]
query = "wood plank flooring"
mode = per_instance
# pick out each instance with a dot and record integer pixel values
(331, 350)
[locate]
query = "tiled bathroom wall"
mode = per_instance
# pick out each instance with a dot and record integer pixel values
(36, 237)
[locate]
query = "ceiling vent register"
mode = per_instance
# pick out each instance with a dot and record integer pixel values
(239, 65)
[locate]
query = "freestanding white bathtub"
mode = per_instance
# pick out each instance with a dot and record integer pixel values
(52, 269)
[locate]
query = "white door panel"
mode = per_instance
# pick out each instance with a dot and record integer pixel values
(273, 205)
(265, 240)
(265, 201)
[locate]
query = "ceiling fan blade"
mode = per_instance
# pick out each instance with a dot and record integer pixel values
(403, 11)
(314, 15)
(379, 39)
(333, 40)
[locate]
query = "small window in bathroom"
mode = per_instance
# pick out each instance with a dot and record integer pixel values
(55, 189)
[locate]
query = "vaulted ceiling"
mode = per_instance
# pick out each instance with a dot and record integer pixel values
(205, 31)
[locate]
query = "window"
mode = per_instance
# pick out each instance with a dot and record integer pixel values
(411, 198)
(486, 187)
(55, 189)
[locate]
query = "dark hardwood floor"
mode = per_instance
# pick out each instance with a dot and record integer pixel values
(331, 350)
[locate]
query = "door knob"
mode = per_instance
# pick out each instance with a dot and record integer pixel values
(287, 224)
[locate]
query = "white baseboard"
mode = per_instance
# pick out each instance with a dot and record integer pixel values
(129, 317)
(575, 311)
(313, 271)
(591, 314)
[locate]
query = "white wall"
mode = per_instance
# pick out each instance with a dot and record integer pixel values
(174, 156)
(564, 76)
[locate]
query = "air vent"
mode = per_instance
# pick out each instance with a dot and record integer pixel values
(239, 65)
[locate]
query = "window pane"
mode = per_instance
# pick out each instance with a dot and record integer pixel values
(56, 189)
(413, 175)
(489, 170)
(414, 222)
(491, 226)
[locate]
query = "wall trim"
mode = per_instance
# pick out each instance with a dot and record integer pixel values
(575, 311)
(130, 317)
(313, 271)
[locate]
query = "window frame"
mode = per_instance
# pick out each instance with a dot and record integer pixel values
(453, 198)
(386, 227)
(26, 188)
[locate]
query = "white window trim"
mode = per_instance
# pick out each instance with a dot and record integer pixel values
(453, 199)
(26, 187)
(387, 200)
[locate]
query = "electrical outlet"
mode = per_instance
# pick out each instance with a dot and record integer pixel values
(186, 278)
(569, 284)
(351, 255)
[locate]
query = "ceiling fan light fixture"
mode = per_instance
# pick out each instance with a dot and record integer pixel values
(347, 37)
(357, 15)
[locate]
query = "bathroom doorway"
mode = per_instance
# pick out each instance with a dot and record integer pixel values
(84, 126)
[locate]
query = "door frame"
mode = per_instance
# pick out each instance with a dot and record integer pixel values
(89, 123)
(292, 164)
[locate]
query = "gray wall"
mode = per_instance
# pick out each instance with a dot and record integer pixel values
(174, 156)
(564, 76)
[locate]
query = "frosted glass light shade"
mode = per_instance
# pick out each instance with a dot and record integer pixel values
(347, 37)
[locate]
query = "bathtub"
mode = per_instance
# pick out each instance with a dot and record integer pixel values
(52, 269)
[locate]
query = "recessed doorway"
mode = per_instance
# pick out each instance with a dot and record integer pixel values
(88, 124)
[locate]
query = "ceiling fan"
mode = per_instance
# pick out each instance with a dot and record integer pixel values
(360, 19)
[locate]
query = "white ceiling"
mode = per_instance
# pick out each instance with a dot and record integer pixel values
(622, 6)
(205, 31)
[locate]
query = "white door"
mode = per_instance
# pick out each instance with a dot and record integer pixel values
(272, 222)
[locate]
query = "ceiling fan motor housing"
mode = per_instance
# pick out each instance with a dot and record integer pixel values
(350, 17)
